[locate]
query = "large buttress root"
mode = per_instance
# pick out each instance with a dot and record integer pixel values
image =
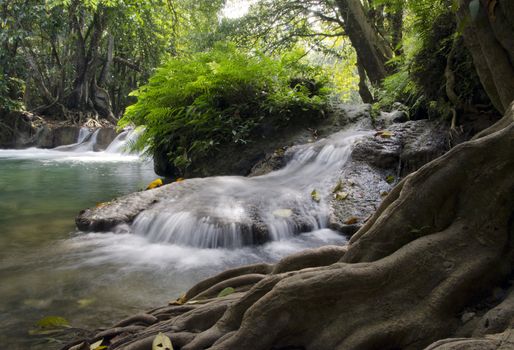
(439, 242)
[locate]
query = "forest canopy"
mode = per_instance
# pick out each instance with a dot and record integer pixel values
(80, 59)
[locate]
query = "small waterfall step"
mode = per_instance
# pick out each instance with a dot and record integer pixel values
(234, 211)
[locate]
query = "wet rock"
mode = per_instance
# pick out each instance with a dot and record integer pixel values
(105, 216)
(378, 161)
(23, 130)
(375, 165)
(17, 130)
(237, 159)
(422, 141)
(271, 162)
(104, 138)
(365, 186)
(406, 146)
(385, 119)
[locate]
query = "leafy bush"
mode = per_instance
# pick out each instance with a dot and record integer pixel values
(419, 81)
(194, 104)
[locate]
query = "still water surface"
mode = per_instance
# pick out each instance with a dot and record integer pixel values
(48, 268)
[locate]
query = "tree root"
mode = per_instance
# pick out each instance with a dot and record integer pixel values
(438, 244)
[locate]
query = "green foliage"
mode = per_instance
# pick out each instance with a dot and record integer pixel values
(194, 104)
(41, 44)
(419, 80)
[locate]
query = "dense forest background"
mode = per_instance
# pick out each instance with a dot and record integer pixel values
(229, 66)
(59, 57)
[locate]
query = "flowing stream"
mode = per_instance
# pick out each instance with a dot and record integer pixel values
(48, 268)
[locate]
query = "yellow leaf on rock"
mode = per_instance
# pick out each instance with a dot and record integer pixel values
(351, 221)
(385, 134)
(180, 301)
(154, 184)
(162, 342)
(315, 196)
(338, 187)
(340, 196)
(97, 345)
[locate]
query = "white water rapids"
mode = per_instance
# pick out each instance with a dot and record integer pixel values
(234, 211)
(82, 151)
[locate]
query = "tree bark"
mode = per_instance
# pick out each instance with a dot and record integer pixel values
(490, 39)
(372, 50)
(87, 94)
(364, 92)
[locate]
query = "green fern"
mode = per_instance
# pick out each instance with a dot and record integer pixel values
(194, 104)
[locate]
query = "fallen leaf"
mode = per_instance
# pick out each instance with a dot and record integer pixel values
(340, 196)
(390, 179)
(97, 345)
(384, 194)
(283, 213)
(162, 342)
(154, 184)
(226, 291)
(315, 196)
(180, 179)
(338, 187)
(85, 302)
(385, 134)
(53, 322)
(180, 301)
(351, 221)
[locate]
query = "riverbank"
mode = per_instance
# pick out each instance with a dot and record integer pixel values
(431, 269)
(19, 130)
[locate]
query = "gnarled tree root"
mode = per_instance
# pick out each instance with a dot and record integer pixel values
(437, 245)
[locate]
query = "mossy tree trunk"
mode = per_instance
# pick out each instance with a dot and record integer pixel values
(489, 36)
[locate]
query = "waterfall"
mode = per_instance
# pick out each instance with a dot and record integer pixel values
(87, 142)
(83, 134)
(123, 141)
(234, 211)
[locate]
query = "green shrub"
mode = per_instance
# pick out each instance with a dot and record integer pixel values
(194, 104)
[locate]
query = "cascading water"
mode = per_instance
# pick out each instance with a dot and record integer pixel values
(232, 211)
(86, 142)
(83, 134)
(122, 143)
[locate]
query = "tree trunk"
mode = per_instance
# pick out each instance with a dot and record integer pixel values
(372, 50)
(87, 94)
(364, 92)
(439, 242)
(490, 39)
